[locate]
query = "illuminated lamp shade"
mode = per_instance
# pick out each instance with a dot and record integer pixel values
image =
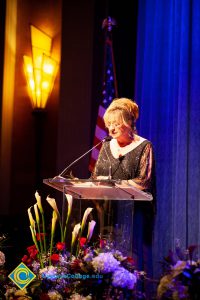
(40, 69)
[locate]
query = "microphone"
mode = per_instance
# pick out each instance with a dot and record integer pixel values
(121, 157)
(110, 166)
(107, 138)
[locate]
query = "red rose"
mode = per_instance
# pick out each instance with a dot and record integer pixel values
(75, 265)
(29, 262)
(82, 241)
(60, 246)
(102, 243)
(130, 260)
(55, 258)
(33, 254)
(30, 249)
(40, 236)
(25, 258)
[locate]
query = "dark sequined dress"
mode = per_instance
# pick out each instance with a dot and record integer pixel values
(133, 219)
(137, 165)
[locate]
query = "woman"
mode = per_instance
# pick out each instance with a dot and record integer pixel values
(129, 157)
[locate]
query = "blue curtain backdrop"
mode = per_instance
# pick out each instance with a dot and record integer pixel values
(167, 90)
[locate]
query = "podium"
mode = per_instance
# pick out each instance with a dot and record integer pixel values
(98, 189)
(113, 200)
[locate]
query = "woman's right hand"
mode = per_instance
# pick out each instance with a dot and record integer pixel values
(102, 178)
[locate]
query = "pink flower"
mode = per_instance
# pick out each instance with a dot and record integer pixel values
(2, 258)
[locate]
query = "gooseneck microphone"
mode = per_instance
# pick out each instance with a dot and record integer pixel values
(121, 157)
(110, 165)
(107, 138)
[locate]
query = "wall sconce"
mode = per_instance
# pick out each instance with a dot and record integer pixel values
(40, 69)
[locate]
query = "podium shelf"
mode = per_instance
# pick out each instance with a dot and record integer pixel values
(98, 189)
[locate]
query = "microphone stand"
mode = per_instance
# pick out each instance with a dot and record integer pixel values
(84, 154)
(110, 166)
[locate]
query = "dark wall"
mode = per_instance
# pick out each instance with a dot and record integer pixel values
(76, 84)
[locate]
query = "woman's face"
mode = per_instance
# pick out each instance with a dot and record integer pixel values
(117, 128)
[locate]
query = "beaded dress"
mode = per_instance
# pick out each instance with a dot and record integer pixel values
(134, 219)
(136, 164)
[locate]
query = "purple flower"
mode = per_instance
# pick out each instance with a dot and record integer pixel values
(123, 278)
(105, 263)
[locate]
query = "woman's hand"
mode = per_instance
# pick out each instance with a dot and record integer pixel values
(133, 183)
(101, 177)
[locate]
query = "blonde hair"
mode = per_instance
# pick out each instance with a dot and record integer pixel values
(126, 108)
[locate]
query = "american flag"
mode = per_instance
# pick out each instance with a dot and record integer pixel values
(109, 89)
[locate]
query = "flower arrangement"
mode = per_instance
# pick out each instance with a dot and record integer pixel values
(83, 270)
(181, 279)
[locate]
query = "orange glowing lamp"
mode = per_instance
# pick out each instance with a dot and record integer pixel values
(40, 69)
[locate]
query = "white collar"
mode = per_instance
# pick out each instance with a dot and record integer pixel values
(118, 151)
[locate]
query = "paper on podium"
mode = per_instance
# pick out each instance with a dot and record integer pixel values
(98, 189)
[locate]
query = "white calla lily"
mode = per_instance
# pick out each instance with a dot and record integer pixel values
(54, 220)
(53, 204)
(75, 233)
(32, 221)
(39, 205)
(39, 202)
(69, 210)
(91, 226)
(85, 216)
(69, 201)
(36, 213)
(33, 233)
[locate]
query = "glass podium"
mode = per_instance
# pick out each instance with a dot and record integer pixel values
(98, 189)
(113, 203)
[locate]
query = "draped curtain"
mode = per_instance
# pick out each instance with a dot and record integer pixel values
(167, 89)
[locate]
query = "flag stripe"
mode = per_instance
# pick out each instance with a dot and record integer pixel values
(95, 153)
(101, 111)
(100, 134)
(100, 123)
(109, 92)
